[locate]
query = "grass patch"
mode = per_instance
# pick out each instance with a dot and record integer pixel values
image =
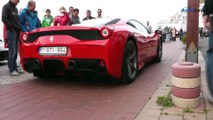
(184, 39)
(164, 101)
(205, 111)
(188, 110)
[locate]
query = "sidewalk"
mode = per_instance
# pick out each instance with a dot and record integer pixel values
(152, 111)
(5, 79)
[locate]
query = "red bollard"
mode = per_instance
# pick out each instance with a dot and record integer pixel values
(186, 84)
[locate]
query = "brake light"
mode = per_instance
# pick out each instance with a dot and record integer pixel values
(23, 36)
(106, 32)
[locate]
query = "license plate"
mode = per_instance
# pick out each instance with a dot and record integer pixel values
(53, 51)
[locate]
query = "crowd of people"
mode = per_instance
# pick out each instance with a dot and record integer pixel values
(65, 18)
(30, 21)
(170, 33)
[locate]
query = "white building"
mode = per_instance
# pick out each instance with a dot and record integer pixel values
(179, 20)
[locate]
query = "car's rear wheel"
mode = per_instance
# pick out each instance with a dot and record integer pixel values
(159, 52)
(129, 63)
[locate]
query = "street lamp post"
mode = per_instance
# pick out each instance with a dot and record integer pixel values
(192, 31)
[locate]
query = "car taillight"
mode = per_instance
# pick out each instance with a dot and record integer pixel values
(106, 32)
(23, 37)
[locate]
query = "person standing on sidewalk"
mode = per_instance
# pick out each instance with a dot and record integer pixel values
(201, 32)
(48, 19)
(173, 34)
(71, 10)
(149, 27)
(11, 20)
(75, 17)
(29, 18)
(88, 16)
(62, 19)
(99, 13)
(208, 24)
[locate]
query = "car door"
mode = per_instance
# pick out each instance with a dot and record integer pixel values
(143, 41)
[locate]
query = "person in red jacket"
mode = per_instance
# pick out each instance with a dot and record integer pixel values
(62, 19)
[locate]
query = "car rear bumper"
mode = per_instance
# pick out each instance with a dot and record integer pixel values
(58, 65)
(84, 56)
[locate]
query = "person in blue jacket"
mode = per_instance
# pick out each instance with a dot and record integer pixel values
(29, 18)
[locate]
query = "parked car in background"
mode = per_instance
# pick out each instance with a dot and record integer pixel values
(3, 51)
(114, 47)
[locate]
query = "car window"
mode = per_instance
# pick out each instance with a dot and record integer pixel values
(129, 23)
(138, 26)
(113, 22)
(98, 22)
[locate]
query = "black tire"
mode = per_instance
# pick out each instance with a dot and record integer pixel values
(159, 52)
(129, 63)
(38, 73)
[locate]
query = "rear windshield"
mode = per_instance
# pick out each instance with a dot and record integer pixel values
(98, 22)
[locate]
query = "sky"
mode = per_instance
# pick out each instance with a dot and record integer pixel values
(142, 10)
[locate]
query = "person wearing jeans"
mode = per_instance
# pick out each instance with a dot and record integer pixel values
(11, 20)
(207, 21)
(12, 41)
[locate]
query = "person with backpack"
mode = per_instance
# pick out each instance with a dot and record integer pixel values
(29, 17)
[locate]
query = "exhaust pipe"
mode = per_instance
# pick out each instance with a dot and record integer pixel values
(36, 63)
(71, 64)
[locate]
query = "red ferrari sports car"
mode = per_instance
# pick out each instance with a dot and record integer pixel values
(114, 47)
